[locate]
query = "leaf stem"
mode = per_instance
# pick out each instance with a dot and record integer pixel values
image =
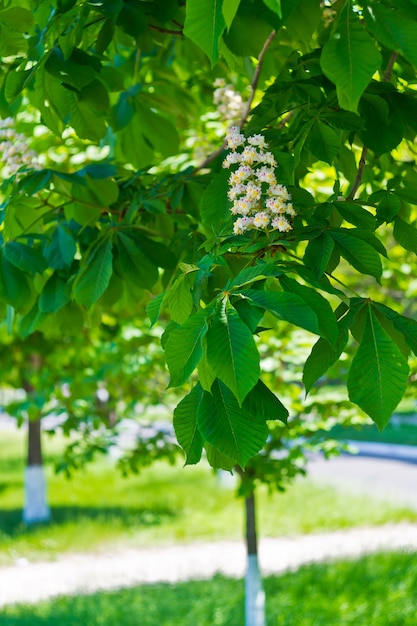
(359, 174)
(256, 76)
(254, 84)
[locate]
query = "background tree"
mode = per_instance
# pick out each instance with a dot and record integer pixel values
(218, 255)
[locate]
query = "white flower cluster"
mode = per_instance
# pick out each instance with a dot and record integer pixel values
(14, 148)
(258, 200)
(228, 101)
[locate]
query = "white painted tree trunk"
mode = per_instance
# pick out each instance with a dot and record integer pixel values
(36, 507)
(254, 594)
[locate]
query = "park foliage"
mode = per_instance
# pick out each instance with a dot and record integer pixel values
(126, 201)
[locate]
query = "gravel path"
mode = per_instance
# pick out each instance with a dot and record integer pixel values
(86, 573)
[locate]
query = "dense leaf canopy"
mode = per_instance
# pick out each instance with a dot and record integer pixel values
(123, 198)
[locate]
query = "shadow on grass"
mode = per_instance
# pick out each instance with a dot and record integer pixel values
(377, 590)
(11, 524)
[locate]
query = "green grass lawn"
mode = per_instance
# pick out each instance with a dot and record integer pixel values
(403, 432)
(98, 509)
(377, 590)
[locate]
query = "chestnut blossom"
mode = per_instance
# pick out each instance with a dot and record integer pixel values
(14, 149)
(259, 201)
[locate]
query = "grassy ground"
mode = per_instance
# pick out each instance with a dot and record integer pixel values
(377, 590)
(98, 508)
(402, 432)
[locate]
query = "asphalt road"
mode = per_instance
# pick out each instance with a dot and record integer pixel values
(388, 479)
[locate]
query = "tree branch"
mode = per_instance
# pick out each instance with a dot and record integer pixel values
(256, 76)
(167, 31)
(254, 85)
(358, 178)
(362, 160)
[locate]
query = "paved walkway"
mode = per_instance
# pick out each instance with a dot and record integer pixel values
(86, 573)
(391, 480)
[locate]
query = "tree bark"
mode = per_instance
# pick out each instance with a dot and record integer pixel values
(36, 509)
(254, 593)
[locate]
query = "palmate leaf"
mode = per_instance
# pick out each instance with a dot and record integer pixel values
(323, 142)
(185, 425)
(231, 351)
(263, 404)
(350, 59)
(359, 253)
(323, 310)
(405, 325)
(379, 372)
(231, 429)
(24, 257)
(54, 294)
(318, 253)
(94, 276)
(183, 348)
(322, 356)
(204, 25)
(286, 306)
(393, 29)
(15, 288)
(405, 234)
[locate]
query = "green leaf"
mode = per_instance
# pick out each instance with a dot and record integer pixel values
(153, 308)
(323, 355)
(232, 353)
(17, 17)
(325, 316)
(233, 430)
(11, 41)
(31, 321)
(349, 59)
(356, 215)
(317, 254)
(185, 425)
(264, 404)
(24, 257)
(323, 142)
(230, 8)
(217, 460)
(248, 313)
(274, 5)
(60, 251)
(405, 234)
(132, 264)
(287, 306)
(204, 25)
(388, 207)
(54, 294)
(94, 276)
(180, 300)
(254, 273)
(405, 325)
(183, 349)
(157, 130)
(14, 284)
(205, 374)
(214, 205)
(394, 29)
(360, 254)
(378, 374)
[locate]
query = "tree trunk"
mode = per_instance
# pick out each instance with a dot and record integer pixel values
(254, 593)
(36, 507)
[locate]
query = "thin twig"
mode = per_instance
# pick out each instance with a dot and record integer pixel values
(391, 62)
(362, 160)
(256, 76)
(254, 85)
(167, 31)
(359, 174)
